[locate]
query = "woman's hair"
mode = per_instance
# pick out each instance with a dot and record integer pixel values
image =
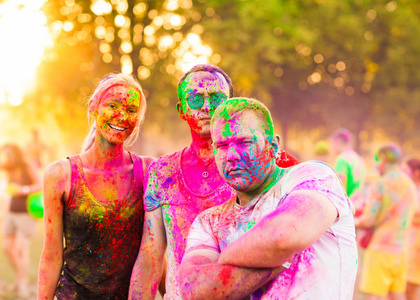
(16, 159)
(106, 83)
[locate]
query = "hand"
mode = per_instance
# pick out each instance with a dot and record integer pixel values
(277, 271)
(13, 189)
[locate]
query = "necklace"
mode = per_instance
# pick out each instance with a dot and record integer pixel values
(205, 174)
(221, 187)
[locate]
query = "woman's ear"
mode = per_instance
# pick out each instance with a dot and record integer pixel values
(92, 111)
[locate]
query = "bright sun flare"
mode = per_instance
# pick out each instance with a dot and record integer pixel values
(24, 37)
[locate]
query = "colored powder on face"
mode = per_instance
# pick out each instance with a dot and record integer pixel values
(133, 96)
(226, 131)
(211, 112)
(224, 114)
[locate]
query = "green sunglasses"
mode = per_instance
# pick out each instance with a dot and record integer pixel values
(196, 101)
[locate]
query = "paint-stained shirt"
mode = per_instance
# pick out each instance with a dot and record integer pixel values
(391, 207)
(413, 272)
(102, 240)
(325, 270)
(167, 188)
(416, 218)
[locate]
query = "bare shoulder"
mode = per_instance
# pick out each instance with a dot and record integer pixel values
(59, 168)
(58, 173)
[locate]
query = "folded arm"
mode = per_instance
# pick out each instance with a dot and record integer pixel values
(297, 223)
(201, 277)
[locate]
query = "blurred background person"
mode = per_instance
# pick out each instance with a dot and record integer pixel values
(413, 273)
(19, 226)
(389, 212)
(94, 199)
(322, 152)
(38, 151)
(350, 167)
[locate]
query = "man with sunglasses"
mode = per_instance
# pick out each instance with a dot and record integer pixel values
(183, 184)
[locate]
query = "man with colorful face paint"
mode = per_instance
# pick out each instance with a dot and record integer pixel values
(287, 234)
(94, 201)
(389, 211)
(181, 185)
(350, 166)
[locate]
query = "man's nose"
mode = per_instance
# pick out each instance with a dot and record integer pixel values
(206, 105)
(233, 153)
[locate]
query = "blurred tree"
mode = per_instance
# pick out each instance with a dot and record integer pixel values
(317, 64)
(154, 40)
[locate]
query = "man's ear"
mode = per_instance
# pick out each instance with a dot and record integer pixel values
(275, 143)
(180, 110)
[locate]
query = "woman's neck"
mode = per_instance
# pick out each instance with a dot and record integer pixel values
(105, 155)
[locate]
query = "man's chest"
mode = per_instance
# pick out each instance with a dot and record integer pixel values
(237, 221)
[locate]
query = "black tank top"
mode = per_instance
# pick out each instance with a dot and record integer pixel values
(102, 240)
(18, 204)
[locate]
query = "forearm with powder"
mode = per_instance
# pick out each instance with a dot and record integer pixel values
(302, 218)
(201, 279)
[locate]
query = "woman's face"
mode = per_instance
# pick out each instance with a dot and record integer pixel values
(7, 157)
(117, 113)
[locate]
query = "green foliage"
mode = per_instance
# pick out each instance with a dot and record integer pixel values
(317, 64)
(275, 50)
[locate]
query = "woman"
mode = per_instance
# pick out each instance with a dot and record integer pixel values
(95, 200)
(19, 226)
(413, 274)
